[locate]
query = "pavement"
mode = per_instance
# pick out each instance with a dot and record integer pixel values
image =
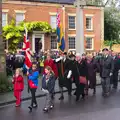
(92, 108)
(8, 98)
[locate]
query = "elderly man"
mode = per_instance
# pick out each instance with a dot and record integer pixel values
(107, 67)
(115, 71)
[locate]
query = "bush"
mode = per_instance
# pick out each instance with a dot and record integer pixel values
(6, 87)
(5, 84)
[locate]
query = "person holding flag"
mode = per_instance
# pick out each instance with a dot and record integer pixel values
(62, 62)
(32, 71)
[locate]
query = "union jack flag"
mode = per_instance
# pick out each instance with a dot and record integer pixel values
(26, 48)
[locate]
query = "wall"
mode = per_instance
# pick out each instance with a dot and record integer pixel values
(42, 11)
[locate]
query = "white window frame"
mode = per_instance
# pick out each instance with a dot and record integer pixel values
(6, 12)
(90, 16)
(50, 43)
(21, 12)
(92, 37)
(51, 21)
(72, 35)
(73, 15)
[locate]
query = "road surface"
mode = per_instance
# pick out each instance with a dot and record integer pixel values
(93, 108)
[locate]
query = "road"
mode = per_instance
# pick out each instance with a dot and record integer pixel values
(93, 108)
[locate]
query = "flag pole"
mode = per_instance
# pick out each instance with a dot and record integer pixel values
(63, 10)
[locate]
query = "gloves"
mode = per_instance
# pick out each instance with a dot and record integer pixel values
(61, 57)
(111, 74)
(69, 74)
(58, 59)
(45, 91)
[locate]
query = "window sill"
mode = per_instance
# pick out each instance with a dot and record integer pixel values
(89, 30)
(89, 49)
(72, 29)
(71, 49)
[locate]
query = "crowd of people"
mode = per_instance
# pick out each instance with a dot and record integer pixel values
(68, 68)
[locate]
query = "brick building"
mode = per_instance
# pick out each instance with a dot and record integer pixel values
(46, 11)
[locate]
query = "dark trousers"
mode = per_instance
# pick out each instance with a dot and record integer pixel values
(115, 79)
(33, 100)
(105, 85)
(80, 90)
(69, 86)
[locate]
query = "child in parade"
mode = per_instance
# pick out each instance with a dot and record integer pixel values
(18, 82)
(33, 75)
(48, 84)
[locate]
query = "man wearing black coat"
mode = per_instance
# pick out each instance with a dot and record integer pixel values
(63, 69)
(107, 67)
(115, 71)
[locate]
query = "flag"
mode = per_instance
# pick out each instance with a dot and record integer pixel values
(60, 34)
(26, 48)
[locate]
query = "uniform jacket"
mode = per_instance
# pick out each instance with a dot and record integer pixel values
(50, 84)
(18, 83)
(106, 66)
(83, 69)
(116, 64)
(33, 79)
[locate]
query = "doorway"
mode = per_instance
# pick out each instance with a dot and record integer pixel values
(38, 45)
(37, 42)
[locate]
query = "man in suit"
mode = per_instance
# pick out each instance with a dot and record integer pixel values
(115, 71)
(63, 68)
(107, 67)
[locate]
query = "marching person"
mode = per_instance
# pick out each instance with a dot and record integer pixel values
(92, 69)
(83, 73)
(18, 82)
(115, 71)
(106, 71)
(33, 84)
(62, 66)
(48, 84)
(50, 62)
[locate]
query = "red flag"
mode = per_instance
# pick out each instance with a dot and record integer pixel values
(26, 48)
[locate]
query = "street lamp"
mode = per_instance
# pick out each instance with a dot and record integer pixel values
(79, 4)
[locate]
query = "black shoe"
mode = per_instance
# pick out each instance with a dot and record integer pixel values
(77, 99)
(30, 108)
(74, 93)
(83, 98)
(53, 97)
(52, 106)
(35, 106)
(45, 109)
(69, 94)
(61, 98)
(94, 92)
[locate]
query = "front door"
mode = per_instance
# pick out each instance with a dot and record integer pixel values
(38, 45)
(37, 42)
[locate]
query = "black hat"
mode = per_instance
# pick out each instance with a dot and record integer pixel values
(72, 55)
(65, 53)
(105, 49)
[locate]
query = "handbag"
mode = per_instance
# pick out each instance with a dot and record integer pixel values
(82, 79)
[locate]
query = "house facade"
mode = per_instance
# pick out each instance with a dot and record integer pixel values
(46, 11)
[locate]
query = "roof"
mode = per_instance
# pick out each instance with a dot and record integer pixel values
(53, 1)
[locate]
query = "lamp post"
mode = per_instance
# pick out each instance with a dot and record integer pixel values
(79, 4)
(2, 54)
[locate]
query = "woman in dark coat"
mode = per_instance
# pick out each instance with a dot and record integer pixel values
(83, 71)
(92, 69)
